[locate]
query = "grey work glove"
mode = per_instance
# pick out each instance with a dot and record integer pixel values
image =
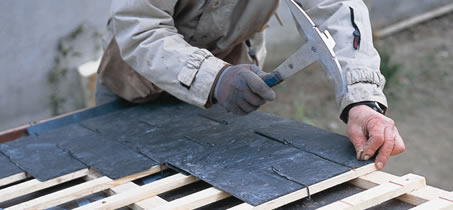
(241, 90)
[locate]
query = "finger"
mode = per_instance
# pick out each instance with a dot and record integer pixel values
(253, 99)
(233, 107)
(258, 86)
(237, 110)
(358, 139)
(246, 107)
(387, 147)
(375, 141)
(257, 70)
(399, 144)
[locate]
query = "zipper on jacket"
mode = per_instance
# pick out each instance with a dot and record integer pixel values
(357, 35)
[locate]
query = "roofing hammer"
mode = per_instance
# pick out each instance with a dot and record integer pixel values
(319, 47)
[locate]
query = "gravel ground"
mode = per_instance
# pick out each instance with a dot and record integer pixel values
(419, 95)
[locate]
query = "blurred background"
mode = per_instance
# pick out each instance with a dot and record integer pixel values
(50, 51)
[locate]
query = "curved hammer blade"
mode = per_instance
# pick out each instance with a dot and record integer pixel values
(319, 46)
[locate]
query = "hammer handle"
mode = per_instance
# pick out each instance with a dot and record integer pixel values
(272, 79)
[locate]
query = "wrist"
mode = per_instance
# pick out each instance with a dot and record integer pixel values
(213, 93)
(377, 107)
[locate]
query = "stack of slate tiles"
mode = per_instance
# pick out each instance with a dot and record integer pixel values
(256, 158)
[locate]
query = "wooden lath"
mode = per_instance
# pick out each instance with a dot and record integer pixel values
(380, 187)
(379, 194)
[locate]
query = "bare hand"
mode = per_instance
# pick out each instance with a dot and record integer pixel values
(371, 131)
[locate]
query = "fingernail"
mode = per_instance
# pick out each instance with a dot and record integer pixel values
(359, 154)
(367, 157)
(380, 165)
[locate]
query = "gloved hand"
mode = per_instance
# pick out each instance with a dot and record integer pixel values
(241, 90)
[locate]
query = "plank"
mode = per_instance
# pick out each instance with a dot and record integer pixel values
(36, 185)
(79, 191)
(66, 195)
(12, 134)
(415, 198)
(379, 194)
(442, 202)
(146, 191)
(414, 21)
(144, 204)
(316, 188)
(149, 203)
(195, 200)
(13, 178)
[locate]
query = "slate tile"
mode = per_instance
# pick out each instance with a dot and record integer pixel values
(326, 144)
(107, 156)
(243, 168)
(43, 161)
(218, 147)
(7, 167)
(77, 117)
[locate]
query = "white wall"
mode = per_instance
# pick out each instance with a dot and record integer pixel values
(29, 31)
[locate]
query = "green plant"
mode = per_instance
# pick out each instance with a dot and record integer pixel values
(56, 103)
(300, 113)
(388, 68)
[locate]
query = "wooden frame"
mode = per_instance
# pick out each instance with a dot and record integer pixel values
(15, 133)
(380, 187)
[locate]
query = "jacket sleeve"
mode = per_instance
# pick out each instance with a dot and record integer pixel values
(349, 23)
(150, 43)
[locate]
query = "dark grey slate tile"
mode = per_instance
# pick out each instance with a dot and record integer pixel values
(43, 161)
(325, 144)
(244, 167)
(107, 156)
(7, 168)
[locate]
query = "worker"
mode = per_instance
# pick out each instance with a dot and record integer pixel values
(205, 52)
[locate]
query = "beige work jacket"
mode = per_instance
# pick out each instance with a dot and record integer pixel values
(181, 46)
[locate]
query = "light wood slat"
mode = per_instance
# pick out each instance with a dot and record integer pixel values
(36, 185)
(147, 203)
(379, 194)
(11, 179)
(81, 190)
(302, 193)
(146, 191)
(415, 198)
(131, 185)
(442, 202)
(144, 204)
(414, 20)
(196, 200)
(66, 195)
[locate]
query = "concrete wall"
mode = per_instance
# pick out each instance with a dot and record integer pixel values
(29, 32)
